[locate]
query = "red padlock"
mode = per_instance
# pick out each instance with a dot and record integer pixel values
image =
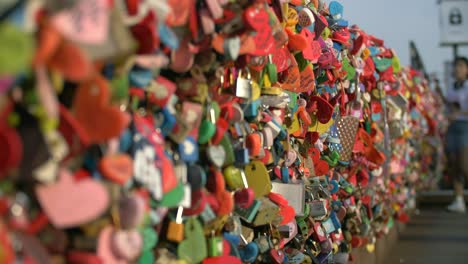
(244, 198)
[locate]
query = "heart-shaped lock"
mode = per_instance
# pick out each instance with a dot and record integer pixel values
(88, 197)
(244, 198)
(249, 253)
(216, 154)
(104, 247)
(281, 58)
(320, 167)
(277, 256)
(100, 120)
(196, 176)
(118, 167)
(193, 249)
(126, 244)
(259, 20)
(132, 210)
(222, 260)
(307, 79)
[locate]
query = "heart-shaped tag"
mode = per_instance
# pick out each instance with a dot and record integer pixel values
(87, 22)
(117, 168)
(281, 58)
(126, 244)
(290, 79)
(321, 167)
(88, 198)
(307, 80)
(259, 20)
(104, 248)
(100, 120)
(216, 154)
(131, 211)
(193, 249)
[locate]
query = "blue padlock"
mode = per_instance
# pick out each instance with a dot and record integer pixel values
(249, 253)
(196, 176)
(188, 150)
(342, 23)
(335, 9)
(140, 77)
(168, 37)
(241, 156)
(284, 174)
(334, 218)
(251, 109)
(168, 122)
(125, 141)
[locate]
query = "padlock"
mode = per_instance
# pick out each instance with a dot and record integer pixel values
(248, 214)
(175, 231)
(215, 246)
(318, 209)
(244, 84)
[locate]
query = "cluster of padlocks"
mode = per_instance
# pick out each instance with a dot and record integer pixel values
(202, 131)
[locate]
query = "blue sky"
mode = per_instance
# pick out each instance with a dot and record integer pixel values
(398, 22)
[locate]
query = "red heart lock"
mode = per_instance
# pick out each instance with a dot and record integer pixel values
(321, 167)
(244, 198)
(145, 34)
(387, 75)
(281, 58)
(288, 213)
(296, 42)
(221, 127)
(100, 120)
(313, 50)
(226, 203)
(215, 182)
(117, 168)
(324, 108)
(277, 256)
(222, 260)
(259, 20)
(369, 67)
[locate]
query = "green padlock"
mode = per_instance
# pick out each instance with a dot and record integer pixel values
(215, 246)
(172, 198)
(233, 177)
(150, 238)
(228, 149)
(207, 127)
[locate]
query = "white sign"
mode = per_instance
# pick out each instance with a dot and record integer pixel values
(453, 22)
